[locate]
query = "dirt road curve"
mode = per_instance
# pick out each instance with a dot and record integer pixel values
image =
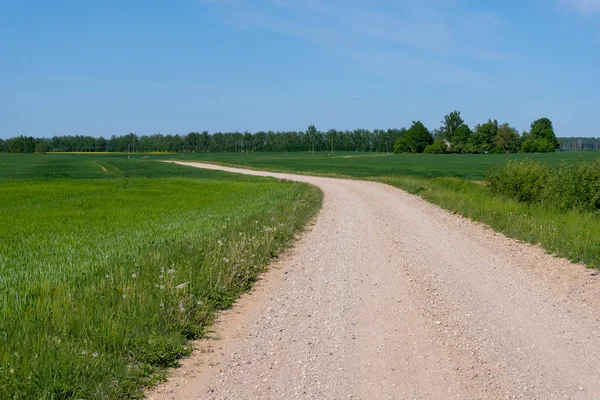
(388, 297)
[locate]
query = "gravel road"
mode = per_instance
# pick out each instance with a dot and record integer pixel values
(389, 297)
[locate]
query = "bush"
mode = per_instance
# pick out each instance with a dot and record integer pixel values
(401, 146)
(569, 187)
(437, 147)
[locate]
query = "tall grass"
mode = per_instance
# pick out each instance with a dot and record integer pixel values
(102, 281)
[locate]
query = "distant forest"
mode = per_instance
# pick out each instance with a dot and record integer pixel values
(453, 136)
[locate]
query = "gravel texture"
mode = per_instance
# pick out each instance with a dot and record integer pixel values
(389, 297)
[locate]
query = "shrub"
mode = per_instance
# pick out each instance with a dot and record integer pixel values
(437, 147)
(568, 187)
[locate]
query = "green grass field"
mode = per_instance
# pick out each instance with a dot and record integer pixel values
(368, 165)
(446, 180)
(108, 265)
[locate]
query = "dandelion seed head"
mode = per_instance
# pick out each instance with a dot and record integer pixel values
(220, 243)
(162, 304)
(161, 276)
(83, 352)
(134, 276)
(171, 271)
(156, 285)
(162, 286)
(181, 285)
(95, 354)
(226, 260)
(124, 295)
(200, 302)
(106, 276)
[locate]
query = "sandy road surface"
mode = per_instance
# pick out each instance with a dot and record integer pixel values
(389, 297)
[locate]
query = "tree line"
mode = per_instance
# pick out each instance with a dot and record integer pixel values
(453, 136)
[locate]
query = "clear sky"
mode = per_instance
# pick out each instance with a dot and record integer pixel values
(174, 66)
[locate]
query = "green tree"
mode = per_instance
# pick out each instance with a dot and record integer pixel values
(542, 135)
(451, 123)
(483, 137)
(401, 146)
(439, 146)
(461, 136)
(507, 140)
(418, 137)
(311, 134)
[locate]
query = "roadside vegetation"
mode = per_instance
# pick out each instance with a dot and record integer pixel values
(108, 265)
(567, 187)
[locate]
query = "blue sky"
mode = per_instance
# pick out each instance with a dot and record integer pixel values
(113, 67)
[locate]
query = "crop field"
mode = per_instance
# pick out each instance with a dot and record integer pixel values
(108, 265)
(368, 165)
(447, 180)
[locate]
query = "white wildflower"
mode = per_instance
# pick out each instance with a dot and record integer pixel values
(124, 295)
(83, 352)
(95, 354)
(134, 276)
(171, 271)
(181, 307)
(200, 302)
(181, 285)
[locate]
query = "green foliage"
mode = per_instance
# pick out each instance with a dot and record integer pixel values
(483, 137)
(401, 146)
(541, 138)
(108, 265)
(415, 139)
(521, 180)
(311, 134)
(507, 140)
(542, 129)
(451, 123)
(439, 146)
(462, 134)
(568, 187)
